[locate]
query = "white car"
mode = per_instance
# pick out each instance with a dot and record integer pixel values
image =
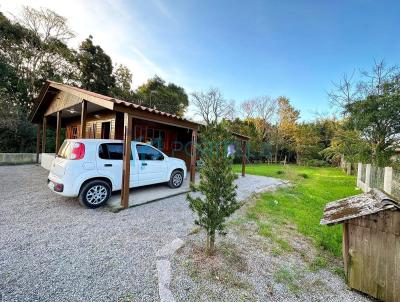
(92, 169)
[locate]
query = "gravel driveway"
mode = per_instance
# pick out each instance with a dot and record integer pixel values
(52, 249)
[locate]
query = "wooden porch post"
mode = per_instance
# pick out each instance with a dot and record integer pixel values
(243, 158)
(58, 131)
(39, 126)
(83, 119)
(193, 157)
(126, 165)
(44, 135)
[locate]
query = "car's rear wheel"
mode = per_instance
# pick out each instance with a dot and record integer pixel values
(176, 179)
(95, 193)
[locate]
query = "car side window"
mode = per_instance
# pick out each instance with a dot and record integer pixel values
(148, 153)
(113, 151)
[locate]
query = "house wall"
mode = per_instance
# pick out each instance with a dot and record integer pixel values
(373, 255)
(93, 124)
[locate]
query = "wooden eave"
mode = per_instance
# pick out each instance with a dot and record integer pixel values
(110, 103)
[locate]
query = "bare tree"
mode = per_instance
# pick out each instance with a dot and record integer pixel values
(345, 91)
(46, 24)
(53, 32)
(374, 80)
(211, 106)
(360, 84)
(263, 111)
(249, 108)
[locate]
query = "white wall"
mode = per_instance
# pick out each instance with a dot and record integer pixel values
(47, 160)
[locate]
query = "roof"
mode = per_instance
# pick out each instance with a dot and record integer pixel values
(95, 97)
(356, 206)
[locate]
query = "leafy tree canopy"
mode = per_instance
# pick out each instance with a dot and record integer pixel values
(96, 69)
(169, 98)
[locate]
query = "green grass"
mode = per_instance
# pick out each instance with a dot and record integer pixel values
(302, 204)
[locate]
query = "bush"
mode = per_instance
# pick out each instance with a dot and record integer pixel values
(317, 163)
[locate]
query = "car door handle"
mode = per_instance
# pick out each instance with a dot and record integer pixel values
(107, 165)
(144, 164)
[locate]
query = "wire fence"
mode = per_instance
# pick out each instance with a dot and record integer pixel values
(385, 179)
(377, 177)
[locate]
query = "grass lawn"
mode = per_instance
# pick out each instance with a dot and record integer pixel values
(301, 204)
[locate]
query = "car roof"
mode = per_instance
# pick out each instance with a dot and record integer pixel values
(97, 140)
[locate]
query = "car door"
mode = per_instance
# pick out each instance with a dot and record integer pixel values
(109, 164)
(152, 165)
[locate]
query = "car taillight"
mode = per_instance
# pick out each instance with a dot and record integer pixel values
(77, 151)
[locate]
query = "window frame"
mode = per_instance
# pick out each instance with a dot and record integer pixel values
(149, 146)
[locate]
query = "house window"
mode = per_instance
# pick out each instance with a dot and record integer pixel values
(150, 135)
(74, 132)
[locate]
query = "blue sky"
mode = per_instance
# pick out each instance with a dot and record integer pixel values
(246, 48)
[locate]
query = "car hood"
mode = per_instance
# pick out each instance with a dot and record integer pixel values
(176, 161)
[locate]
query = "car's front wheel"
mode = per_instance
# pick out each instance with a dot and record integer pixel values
(176, 179)
(95, 193)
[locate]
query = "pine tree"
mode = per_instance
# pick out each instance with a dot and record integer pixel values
(218, 191)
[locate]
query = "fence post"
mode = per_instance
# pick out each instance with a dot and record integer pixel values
(348, 168)
(387, 181)
(367, 177)
(359, 174)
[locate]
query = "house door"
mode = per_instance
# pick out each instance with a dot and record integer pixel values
(105, 130)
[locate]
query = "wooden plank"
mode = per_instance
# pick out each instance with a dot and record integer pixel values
(58, 131)
(352, 257)
(126, 165)
(390, 269)
(193, 157)
(381, 271)
(243, 158)
(109, 104)
(374, 263)
(396, 222)
(39, 126)
(62, 100)
(44, 134)
(345, 247)
(357, 258)
(83, 119)
(366, 255)
(396, 277)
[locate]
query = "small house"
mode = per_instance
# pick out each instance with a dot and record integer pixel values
(90, 115)
(371, 242)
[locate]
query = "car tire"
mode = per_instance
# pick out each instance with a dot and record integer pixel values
(176, 179)
(95, 193)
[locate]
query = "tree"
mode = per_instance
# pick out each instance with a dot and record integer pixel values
(123, 84)
(32, 49)
(218, 200)
(211, 106)
(169, 98)
(284, 131)
(347, 143)
(307, 142)
(262, 111)
(377, 118)
(95, 68)
(371, 106)
(35, 46)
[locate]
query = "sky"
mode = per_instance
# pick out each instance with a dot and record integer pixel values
(245, 48)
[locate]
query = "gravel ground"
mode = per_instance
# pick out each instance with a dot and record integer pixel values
(52, 249)
(249, 267)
